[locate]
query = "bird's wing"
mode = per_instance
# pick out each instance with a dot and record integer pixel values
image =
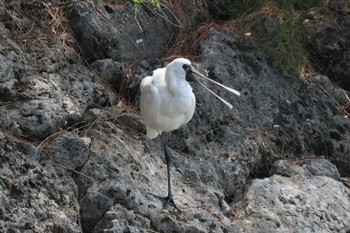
(150, 101)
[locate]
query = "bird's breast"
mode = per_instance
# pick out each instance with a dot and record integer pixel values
(163, 108)
(179, 108)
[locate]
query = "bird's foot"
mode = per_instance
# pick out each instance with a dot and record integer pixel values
(168, 201)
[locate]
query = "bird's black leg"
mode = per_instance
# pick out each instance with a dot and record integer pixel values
(168, 200)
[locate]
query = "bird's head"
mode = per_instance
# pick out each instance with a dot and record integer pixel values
(181, 68)
(184, 68)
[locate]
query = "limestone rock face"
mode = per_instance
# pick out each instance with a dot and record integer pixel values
(299, 203)
(107, 32)
(74, 157)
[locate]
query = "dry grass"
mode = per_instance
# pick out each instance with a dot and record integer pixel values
(188, 38)
(41, 24)
(344, 109)
(187, 42)
(176, 13)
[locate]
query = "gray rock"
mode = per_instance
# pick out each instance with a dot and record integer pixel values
(288, 118)
(70, 150)
(338, 94)
(36, 195)
(295, 204)
(308, 167)
(322, 167)
(128, 179)
(329, 47)
(287, 168)
(93, 206)
(145, 69)
(118, 172)
(98, 114)
(111, 32)
(55, 98)
(109, 70)
(189, 14)
(119, 219)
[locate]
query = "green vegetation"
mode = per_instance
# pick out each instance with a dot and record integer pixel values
(136, 4)
(281, 27)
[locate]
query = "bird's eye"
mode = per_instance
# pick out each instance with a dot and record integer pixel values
(187, 68)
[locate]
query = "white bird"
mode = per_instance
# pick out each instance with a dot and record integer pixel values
(167, 102)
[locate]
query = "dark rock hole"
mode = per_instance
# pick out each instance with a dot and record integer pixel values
(109, 9)
(334, 135)
(340, 129)
(229, 199)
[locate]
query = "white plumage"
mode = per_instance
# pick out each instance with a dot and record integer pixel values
(167, 101)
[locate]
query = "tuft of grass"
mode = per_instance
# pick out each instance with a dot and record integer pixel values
(287, 41)
(137, 4)
(38, 24)
(280, 27)
(187, 41)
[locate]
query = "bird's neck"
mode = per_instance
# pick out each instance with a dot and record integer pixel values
(176, 86)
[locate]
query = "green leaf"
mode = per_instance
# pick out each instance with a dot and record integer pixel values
(156, 3)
